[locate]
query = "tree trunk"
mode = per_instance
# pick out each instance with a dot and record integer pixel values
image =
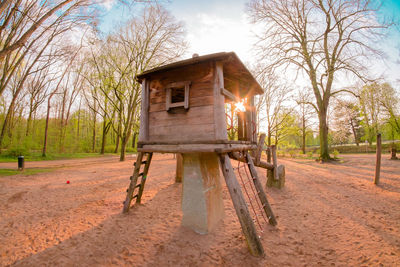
(303, 147)
(124, 140)
(354, 133)
(323, 136)
(103, 139)
(46, 127)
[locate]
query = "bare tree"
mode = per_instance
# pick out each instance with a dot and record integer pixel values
(21, 20)
(150, 40)
(305, 111)
(321, 38)
(274, 102)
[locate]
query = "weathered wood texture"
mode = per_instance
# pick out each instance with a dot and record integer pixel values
(260, 147)
(275, 162)
(197, 123)
(272, 182)
(144, 113)
(262, 164)
(144, 177)
(378, 158)
(261, 194)
(179, 168)
(191, 148)
(241, 209)
(219, 104)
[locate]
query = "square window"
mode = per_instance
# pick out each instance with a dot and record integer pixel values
(177, 95)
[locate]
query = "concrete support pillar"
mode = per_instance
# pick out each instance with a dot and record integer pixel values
(202, 204)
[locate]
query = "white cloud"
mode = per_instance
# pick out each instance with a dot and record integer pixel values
(107, 4)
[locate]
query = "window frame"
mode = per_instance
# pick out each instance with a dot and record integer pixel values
(168, 99)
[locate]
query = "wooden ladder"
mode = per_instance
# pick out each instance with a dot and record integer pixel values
(134, 179)
(239, 203)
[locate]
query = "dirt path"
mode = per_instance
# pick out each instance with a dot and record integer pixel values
(328, 214)
(63, 162)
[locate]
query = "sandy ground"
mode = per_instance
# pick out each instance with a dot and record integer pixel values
(328, 215)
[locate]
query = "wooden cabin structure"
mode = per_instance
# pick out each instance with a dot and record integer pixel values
(183, 108)
(184, 111)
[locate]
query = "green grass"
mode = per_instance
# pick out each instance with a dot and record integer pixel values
(9, 172)
(36, 156)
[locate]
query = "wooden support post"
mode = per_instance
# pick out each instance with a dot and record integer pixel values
(260, 191)
(144, 112)
(179, 168)
(242, 211)
(275, 162)
(219, 103)
(378, 159)
(262, 164)
(260, 147)
(268, 151)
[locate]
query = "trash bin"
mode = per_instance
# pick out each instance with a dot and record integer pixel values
(21, 163)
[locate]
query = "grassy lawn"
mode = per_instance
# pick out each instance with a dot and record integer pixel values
(9, 172)
(37, 156)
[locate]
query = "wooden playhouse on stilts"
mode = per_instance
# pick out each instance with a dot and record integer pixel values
(184, 111)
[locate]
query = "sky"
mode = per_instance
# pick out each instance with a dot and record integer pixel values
(222, 25)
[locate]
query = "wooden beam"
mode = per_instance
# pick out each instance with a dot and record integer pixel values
(262, 164)
(193, 148)
(275, 162)
(241, 209)
(219, 103)
(261, 195)
(144, 111)
(179, 168)
(229, 95)
(260, 147)
(378, 158)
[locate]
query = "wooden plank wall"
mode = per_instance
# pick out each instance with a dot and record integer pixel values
(197, 123)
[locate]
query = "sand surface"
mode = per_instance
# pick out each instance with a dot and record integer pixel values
(328, 215)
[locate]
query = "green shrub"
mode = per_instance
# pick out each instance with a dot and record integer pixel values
(292, 153)
(310, 154)
(335, 154)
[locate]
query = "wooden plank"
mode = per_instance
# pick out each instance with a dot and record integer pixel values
(144, 113)
(181, 142)
(261, 195)
(132, 184)
(197, 89)
(179, 168)
(260, 147)
(193, 102)
(275, 162)
(378, 158)
(192, 148)
(181, 132)
(194, 116)
(262, 164)
(229, 95)
(219, 103)
(241, 209)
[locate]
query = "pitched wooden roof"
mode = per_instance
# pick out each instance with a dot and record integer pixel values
(233, 68)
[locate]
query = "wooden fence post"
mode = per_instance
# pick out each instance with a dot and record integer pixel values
(378, 158)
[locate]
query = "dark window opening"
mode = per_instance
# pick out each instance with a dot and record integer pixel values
(177, 95)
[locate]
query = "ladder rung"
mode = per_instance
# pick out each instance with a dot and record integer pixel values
(138, 185)
(141, 174)
(135, 196)
(143, 162)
